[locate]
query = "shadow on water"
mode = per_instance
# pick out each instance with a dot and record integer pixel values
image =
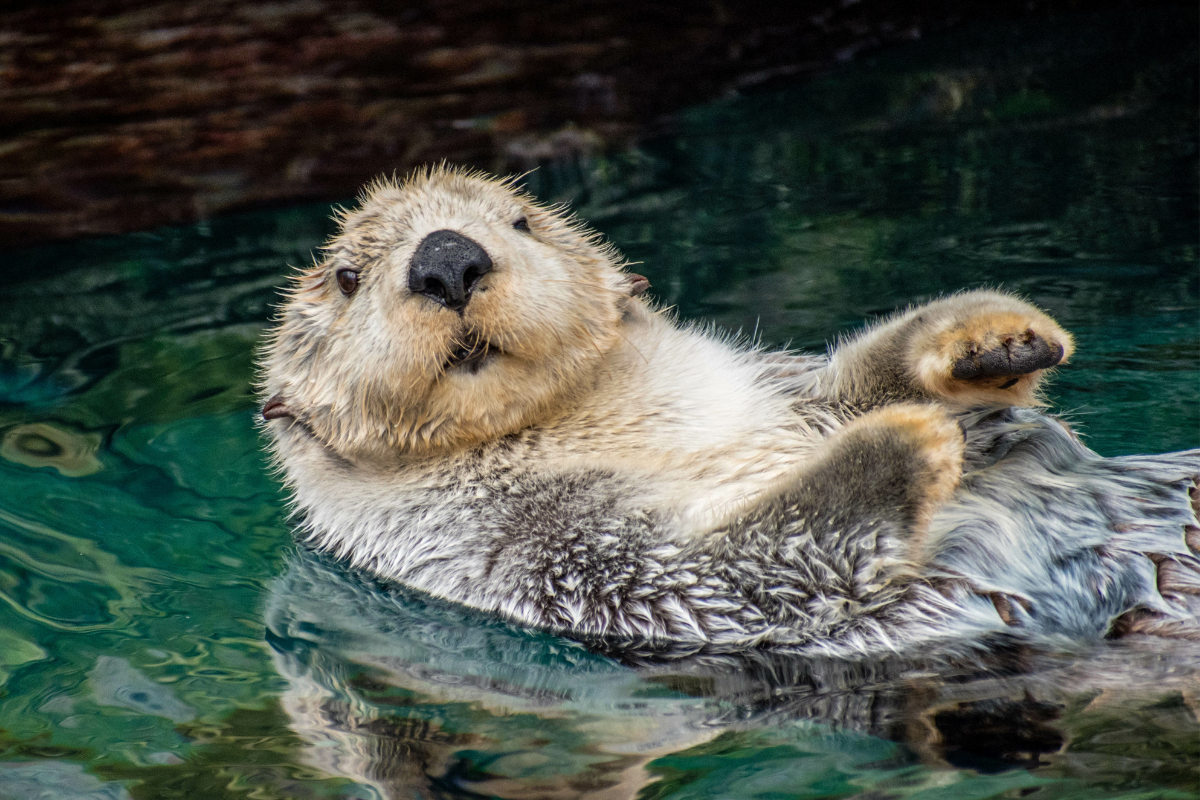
(161, 637)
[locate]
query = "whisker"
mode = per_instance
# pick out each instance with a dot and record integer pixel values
(629, 342)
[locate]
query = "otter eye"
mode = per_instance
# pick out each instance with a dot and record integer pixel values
(522, 225)
(347, 281)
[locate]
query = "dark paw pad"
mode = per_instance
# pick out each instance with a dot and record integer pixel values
(1016, 355)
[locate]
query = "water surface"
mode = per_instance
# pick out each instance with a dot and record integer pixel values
(160, 636)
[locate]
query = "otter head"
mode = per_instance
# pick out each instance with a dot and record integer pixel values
(449, 309)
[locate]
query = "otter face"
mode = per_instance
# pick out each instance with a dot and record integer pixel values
(450, 309)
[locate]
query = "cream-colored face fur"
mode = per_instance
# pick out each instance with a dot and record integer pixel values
(374, 372)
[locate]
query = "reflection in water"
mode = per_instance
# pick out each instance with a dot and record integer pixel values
(115, 682)
(396, 694)
(53, 780)
(142, 538)
(407, 695)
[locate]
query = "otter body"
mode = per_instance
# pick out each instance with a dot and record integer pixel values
(469, 396)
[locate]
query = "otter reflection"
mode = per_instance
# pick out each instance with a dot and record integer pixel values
(416, 698)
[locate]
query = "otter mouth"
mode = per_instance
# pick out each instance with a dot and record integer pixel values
(472, 355)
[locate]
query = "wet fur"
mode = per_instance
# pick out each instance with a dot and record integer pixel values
(615, 475)
(374, 675)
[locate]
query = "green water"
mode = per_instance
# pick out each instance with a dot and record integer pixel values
(160, 636)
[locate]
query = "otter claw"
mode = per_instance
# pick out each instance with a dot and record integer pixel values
(1015, 356)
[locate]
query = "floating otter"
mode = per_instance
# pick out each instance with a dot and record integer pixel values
(469, 396)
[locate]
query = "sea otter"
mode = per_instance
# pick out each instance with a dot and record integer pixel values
(469, 395)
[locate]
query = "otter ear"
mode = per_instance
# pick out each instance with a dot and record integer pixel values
(636, 284)
(276, 408)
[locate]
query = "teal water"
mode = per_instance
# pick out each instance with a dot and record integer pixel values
(160, 636)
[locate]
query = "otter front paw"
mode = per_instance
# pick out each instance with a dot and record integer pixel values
(1009, 356)
(897, 463)
(988, 348)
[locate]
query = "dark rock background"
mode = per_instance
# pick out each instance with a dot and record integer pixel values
(120, 115)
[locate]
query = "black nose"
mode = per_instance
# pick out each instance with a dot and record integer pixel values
(446, 267)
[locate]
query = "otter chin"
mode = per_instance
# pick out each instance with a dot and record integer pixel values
(469, 394)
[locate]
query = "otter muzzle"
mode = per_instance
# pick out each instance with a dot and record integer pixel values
(446, 268)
